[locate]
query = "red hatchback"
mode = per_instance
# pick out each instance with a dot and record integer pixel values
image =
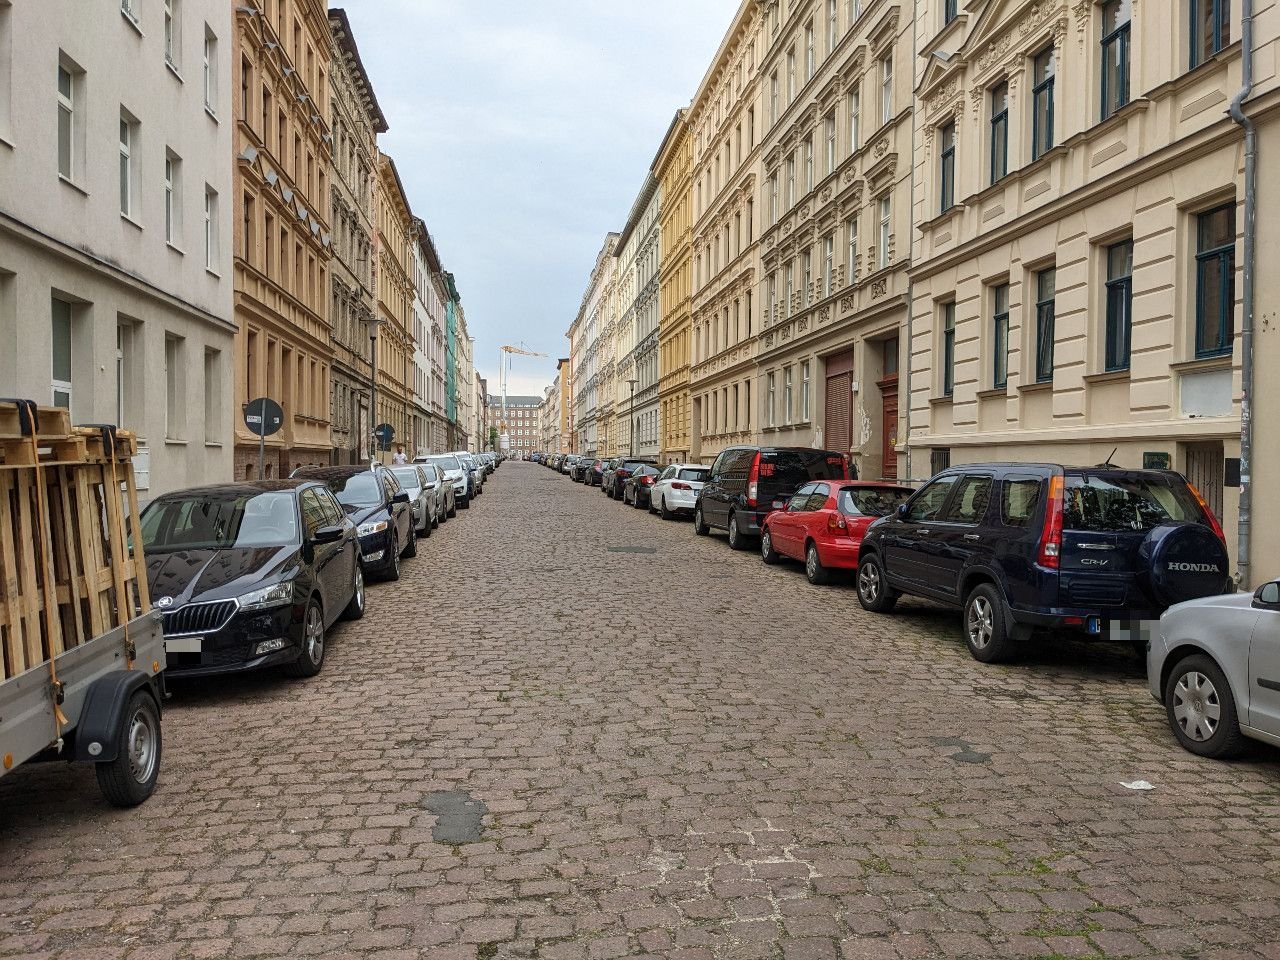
(823, 524)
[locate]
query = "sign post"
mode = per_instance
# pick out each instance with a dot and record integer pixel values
(384, 433)
(263, 417)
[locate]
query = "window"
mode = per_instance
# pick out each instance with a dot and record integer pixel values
(246, 85)
(128, 163)
(831, 143)
(804, 391)
(1210, 28)
(771, 297)
(833, 25)
(882, 248)
(1000, 335)
(210, 228)
(791, 75)
(855, 10)
(210, 68)
(129, 9)
(808, 165)
(950, 10)
(67, 124)
(174, 374)
(791, 182)
(773, 97)
(948, 349)
(928, 503)
(886, 89)
(947, 174)
(855, 118)
(1119, 305)
(810, 61)
(61, 336)
(1215, 281)
(828, 265)
(787, 411)
(1046, 67)
(773, 199)
(790, 288)
(969, 505)
(1019, 500)
(770, 392)
(212, 395)
(1115, 55)
(247, 224)
(1046, 284)
(172, 197)
(851, 267)
(999, 131)
(172, 41)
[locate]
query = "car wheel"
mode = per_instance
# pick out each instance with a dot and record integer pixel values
(666, 514)
(392, 570)
(355, 609)
(1202, 709)
(453, 511)
(411, 549)
(767, 553)
(985, 630)
(737, 540)
(813, 569)
(465, 504)
(874, 592)
(429, 527)
(131, 777)
(699, 525)
(311, 659)
(635, 502)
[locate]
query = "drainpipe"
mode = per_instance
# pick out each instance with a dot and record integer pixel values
(1246, 330)
(911, 236)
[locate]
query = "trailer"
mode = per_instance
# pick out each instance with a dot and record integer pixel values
(82, 654)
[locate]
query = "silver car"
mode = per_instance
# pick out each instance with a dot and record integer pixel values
(1215, 665)
(442, 490)
(414, 482)
(676, 490)
(455, 473)
(472, 466)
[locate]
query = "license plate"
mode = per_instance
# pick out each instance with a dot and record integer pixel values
(183, 644)
(1093, 626)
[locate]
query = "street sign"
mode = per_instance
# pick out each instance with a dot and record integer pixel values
(263, 417)
(384, 433)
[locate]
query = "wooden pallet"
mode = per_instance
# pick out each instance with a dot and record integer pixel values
(67, 516)
(54, 422)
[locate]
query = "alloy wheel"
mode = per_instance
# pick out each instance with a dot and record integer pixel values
(314, 638)
(1196, 706)
(869, 582)
(980, 622)
(811, 563)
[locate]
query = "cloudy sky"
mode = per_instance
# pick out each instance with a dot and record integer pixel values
(523, 132)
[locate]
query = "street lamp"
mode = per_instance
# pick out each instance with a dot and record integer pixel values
(631, 415)
(373, 322)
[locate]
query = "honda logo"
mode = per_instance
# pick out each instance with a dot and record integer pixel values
(1194, 568)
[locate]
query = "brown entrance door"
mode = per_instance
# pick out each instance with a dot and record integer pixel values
(838, 425)
(889, 401)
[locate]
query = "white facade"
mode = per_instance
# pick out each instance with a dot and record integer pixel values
(639, 264)
(594, 352)
(115, 224)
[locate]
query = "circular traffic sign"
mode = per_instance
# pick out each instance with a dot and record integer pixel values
(263, 417)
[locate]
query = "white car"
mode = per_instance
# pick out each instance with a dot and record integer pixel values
(455, 472)
(1215, 665)
(676, 489)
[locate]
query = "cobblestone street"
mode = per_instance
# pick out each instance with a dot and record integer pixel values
(678, 752)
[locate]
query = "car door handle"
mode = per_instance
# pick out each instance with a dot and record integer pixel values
(972, 536)
(923, 532)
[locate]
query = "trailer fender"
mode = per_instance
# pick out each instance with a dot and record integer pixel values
(97, 732)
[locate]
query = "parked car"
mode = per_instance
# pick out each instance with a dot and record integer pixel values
(676, 489)
(823, 524)
(746, 483)
(442, 490)
(622, 468)
(455, 473)
(566, 462)
(251, 574)
(596, 472)
(1021, 546)
(475, 476)
(578, 471)
(372, 498)
(638, 487)
(1214, 664)
(423, 501)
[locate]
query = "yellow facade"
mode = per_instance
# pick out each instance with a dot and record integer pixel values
(394, 222)
(674, 170)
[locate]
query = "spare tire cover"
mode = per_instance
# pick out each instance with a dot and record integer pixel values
(1184, 561)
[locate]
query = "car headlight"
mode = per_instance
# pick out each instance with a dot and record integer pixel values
(271, 596)
(365, 529)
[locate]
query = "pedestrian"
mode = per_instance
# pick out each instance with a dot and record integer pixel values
(399, 455)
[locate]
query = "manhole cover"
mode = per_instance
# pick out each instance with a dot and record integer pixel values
(458, 816)
(633, 549)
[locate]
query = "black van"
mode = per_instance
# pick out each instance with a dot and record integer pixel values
(747, 483)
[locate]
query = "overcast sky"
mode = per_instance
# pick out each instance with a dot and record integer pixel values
(522, 132)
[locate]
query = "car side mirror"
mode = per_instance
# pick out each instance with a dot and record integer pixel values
(327, 535)
(400, 497)
(1268, 595)
(901, 512)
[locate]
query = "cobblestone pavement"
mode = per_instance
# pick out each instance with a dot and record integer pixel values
(678, 753)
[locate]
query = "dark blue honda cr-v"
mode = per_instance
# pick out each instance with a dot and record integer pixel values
(1022, 546)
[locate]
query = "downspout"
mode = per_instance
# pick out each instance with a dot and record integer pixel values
(1244, 529)
(911, 233)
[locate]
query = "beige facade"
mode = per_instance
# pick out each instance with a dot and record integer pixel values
(283, 244)
(726, 124)
(564, 405)
(115, 279)
(355, 120)
(836, 206)
(591, 347)
(674, 170)
(1076, 285)
(638, 251)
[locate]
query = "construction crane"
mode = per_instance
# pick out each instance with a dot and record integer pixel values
(504, 371)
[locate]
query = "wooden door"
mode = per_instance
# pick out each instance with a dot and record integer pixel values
(889, 429)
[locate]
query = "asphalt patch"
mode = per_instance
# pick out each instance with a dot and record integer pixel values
(967, 754)
(458, 816)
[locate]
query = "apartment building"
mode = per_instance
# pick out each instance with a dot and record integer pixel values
(593, 354)
(394, 346)
(431, 297)
(836, 200)
(523, 416)
(282, 241)
(638, 250)
(465, 373)
(115, 225)
(726, 124)
(674, 171)
(564, 405)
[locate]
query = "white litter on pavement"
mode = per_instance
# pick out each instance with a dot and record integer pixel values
(1138, 785)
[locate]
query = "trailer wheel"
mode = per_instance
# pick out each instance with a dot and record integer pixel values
(131, 777)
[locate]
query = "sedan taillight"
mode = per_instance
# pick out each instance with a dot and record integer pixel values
(837, 526)
(680, 486)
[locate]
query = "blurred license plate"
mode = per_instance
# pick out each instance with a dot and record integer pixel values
(183, 644)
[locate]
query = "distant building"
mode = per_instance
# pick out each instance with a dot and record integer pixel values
(521, 422)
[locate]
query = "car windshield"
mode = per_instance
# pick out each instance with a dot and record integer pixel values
(357, 490)
(794, 468)
(633, 465)
(446, 463)
(408, 477)
(1126, 502)
(872, 501)
(696, 475)
(216, 521)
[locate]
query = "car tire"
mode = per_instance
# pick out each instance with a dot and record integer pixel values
(767, 553)
(311, 658)
(874, 592)
(392, 569)
(1195, 691)
(817, 574)
(985, 631)
(131, 777)
(411, 548)
(355, 608)
(663, 511)
(465, 504)
(453, 511)
(737, 539)
(699, 524)
(635, 502)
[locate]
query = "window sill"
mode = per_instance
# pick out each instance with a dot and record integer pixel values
(172, 442)
(943, 401)
(132, 21)
(995, 393)
(213, 444)
(173, 68)
(212, 272)
(132, 222)
(1221, 361)
(175, 248)
(5, 141)
(73, 185)
(1110, 376)
(1040, 386)
(212, 116)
